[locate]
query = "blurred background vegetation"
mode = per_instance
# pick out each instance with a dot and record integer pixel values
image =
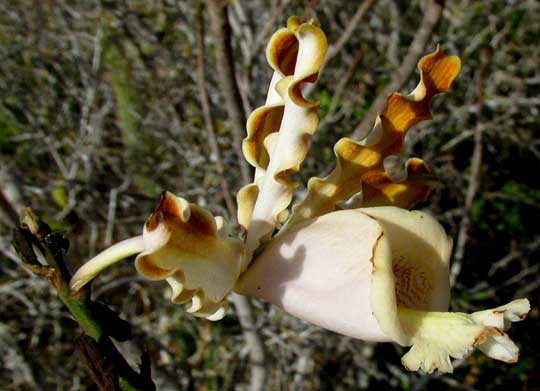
(100, 111)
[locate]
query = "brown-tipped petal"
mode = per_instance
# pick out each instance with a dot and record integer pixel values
(245, 199)
(200, 264)
(355, 159)
(378, 189)
(262, 122)
(298, 120)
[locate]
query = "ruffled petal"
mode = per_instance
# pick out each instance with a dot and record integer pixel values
(278, 132)
(186, 246)
(355, 159)
(379, 189)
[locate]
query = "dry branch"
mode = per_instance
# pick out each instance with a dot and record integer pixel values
(209, 123)
(227, 80)
(474, 175)
(226, 73)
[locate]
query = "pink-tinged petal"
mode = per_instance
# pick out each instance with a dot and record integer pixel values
(321, 272)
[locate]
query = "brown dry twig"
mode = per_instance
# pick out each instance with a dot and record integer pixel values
(474, 175)
(227, 80)
(209, 123)
(221, 30)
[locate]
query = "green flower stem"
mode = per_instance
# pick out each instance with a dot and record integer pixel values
(42, 251)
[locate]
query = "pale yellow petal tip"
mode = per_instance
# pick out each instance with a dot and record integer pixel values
(103, 260)
(438, 336)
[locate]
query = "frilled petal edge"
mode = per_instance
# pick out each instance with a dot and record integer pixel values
(184, 245)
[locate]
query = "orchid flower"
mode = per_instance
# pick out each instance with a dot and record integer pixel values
(350, 257)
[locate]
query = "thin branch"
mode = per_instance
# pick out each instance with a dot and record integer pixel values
(400, 76)
(474, 176)
(253, 341)
(239, 23)
(209, 123)
(331, 116)
(262, 37)
(42, 249)
(226, 74)
(8, 209)
(111, 211)
(219, 23)
(10, 199)
(349, 29)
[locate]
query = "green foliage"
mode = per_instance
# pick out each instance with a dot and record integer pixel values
(512, 206)
(128, 104)
(8, 130)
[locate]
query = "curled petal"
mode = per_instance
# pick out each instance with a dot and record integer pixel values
(246, 198)
(355, 159)
(278, 132)
(185, 245)
(378, 188)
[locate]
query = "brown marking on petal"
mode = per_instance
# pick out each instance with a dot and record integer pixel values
(354, 160)
(262, 122)
(147, 267)
(378, 189)
(373, 252)
(512, 361)
(166, 207)
(282, 51)
(246, 198)
(400, 115)
(439, 71)
(201, 224)
(414, 284)
(184, 296)
(486, 333)
(402, 112)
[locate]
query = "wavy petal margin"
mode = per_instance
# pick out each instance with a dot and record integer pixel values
(379, 189)
(356, 159)
(279, 131)
(188, 247)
